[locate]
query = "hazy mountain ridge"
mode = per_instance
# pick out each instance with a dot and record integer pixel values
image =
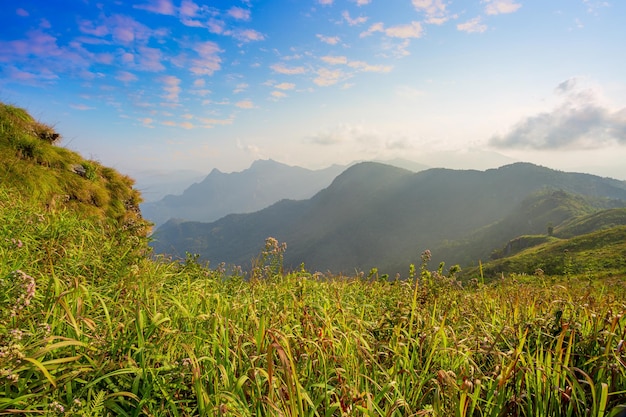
(378, 215)
(220, 194)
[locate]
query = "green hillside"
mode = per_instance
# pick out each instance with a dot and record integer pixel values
(593, 244)
(32, 165)
(541, 213)
(92, 324)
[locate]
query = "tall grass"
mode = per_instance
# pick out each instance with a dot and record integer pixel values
(90, 325)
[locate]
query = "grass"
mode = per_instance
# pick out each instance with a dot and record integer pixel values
(110, 331)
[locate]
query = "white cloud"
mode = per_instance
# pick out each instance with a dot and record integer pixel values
(364, 66)
(246, 35)
(239, 13)
(435, 10)
(335, 60)
(331, 40)
(326, 77)
(171, 86)
(285, 86)
(501, 6)
(325, 2)
(474, 25)
(278, 94)
(208, 60)
(209, 122)
(376, 27)
(158, 6)
(188, 8)
(126, 76)
(282, 69)
(240, 88)
(580, 121)
(412, 30)
(245, 104)
(353, 21)
(216, 26)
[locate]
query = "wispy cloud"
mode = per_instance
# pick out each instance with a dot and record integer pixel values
(125, 76)
(364, 66)
(246, 35)
(245, 104)
(81, 107)
(335, 60)
(282, 69)
(580, 121)
(208, 60)
(285, 86)
(240, 88)
(278, 94)
(474, 25)
(158, 6)
(22, 12)
(188, 8)
(501, 6)
(171, 86)
(435, 10)
(325, 2)
(353, 21)
(211, 122)
(411, 30)
(239, 13)
(331, 40)
(406, 31)
(327, 77)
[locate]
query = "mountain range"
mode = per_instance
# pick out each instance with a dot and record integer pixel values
(219, 194)
(377, 215)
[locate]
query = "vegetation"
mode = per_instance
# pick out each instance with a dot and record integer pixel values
(57, 177)
(92, 325)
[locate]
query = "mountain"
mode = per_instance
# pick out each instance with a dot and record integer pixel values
(376, 215)
(219, 194)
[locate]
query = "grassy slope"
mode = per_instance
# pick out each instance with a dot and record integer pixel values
(91, 326)
(33, 165)
(589, 244)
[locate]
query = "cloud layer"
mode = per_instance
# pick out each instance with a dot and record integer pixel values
(579, 121)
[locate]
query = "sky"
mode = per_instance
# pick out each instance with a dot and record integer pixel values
(197, 85)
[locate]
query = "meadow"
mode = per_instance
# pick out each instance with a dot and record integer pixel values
(92, 325)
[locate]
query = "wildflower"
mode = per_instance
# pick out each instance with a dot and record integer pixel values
(17, 334)
(57, 408)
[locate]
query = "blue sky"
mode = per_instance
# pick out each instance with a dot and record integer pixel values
(193, 84)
